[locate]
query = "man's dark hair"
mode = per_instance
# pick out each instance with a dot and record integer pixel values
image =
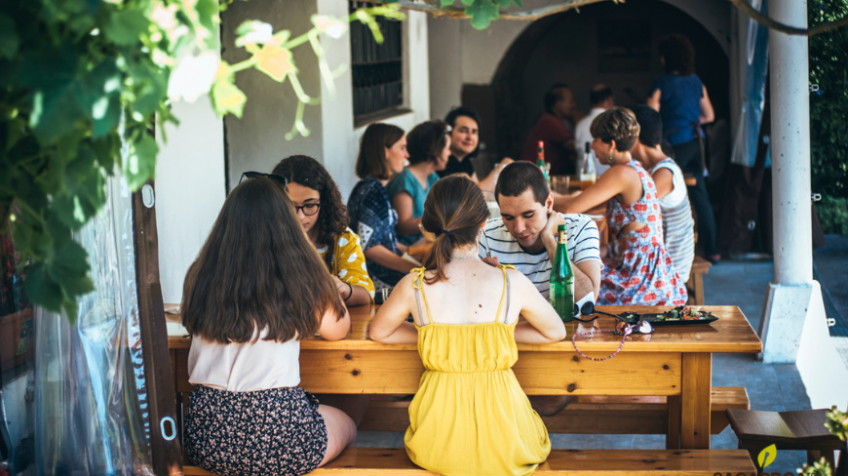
(650, 125)
(517, 177)
(554, 95)
(599, 94)
(462, 111)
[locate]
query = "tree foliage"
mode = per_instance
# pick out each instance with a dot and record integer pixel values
(828, 105)
(81, 83)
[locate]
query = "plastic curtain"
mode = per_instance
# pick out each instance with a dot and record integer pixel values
(753, 97)
(90, 396)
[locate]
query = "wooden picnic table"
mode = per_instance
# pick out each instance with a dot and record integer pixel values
(673, 361)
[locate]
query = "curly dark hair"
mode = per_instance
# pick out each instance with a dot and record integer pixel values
(678, 53)
(332, 217)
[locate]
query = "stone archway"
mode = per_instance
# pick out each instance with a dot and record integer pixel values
(565, 48)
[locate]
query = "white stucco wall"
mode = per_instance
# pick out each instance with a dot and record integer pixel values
(189, 190)
(340, 141)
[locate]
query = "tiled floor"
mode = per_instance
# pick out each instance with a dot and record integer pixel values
(775, 387)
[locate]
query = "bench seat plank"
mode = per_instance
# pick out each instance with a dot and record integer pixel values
(643, 415)
(393, 461)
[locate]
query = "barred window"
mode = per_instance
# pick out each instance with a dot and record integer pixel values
(377, 69)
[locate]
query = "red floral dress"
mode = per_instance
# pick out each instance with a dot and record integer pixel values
(640, 272)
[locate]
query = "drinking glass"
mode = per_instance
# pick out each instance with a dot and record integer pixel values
(560, 183)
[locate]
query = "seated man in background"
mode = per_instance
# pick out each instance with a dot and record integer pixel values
(555, 128)
(601, 99)
(525, 236)
(464, 125)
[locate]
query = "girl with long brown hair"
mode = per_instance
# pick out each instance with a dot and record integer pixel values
(323, 215)
(256, 288)
(469, 405)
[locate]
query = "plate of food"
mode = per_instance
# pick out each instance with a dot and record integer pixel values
(678, 316)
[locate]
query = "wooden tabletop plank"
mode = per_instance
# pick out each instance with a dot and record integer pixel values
(731, 333)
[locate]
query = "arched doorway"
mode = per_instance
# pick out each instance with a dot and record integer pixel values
(608, 43)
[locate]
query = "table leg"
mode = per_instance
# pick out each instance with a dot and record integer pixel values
(695, 401)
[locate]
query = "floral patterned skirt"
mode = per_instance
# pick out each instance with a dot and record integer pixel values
(268, 432)
(641, 274)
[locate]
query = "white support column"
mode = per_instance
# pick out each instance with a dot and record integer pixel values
(793, 327)
(789, 294)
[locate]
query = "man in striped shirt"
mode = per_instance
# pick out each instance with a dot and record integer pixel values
(525, 234)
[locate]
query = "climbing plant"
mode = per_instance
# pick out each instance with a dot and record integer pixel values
(81, 84)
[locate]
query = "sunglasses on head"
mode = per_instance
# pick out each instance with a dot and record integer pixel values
(277, 178)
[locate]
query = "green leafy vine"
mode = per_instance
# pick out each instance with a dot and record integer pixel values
(81, 79)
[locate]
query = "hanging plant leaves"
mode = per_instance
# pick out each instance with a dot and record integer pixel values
(275, 61)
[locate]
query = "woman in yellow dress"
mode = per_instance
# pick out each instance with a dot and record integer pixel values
(470, 415)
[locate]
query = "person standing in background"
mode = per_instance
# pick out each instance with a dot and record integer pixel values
(601, 99)
(555, 127)
(683, 103)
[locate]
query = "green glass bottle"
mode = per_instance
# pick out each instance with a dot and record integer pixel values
(561, 294)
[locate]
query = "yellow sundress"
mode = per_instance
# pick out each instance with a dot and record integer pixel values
(470, 415)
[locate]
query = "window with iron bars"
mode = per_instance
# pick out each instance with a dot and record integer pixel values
(376, 69)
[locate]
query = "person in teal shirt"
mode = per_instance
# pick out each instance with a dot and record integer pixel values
(429, 149)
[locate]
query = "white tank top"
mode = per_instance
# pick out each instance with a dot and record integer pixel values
(244, 367)
(678, 224)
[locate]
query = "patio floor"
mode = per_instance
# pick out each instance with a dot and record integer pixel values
(775, 387)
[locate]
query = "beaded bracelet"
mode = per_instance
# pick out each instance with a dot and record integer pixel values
(599, 359)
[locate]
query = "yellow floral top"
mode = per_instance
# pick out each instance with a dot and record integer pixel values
(349, 261)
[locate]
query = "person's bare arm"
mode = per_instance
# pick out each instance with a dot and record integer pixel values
(542, 325)
(663, 179)
(407, 225)
(654, 100)
(389, 326)
(332, 327)
(707, 113)
(612, 182)
(384, 257)
(587, 278)
(351, 294)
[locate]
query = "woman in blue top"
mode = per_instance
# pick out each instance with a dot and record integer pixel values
(382, 154)
(683, 103)
(429, 150)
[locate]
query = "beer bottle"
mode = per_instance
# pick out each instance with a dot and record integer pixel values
(540, 158)
(561, 294)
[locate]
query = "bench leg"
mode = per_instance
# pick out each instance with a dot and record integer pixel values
(672, 436)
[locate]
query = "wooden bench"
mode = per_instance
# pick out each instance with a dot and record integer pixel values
(393, 461)
(587, 415)
(695, 284)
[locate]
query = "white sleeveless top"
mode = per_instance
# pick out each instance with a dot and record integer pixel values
(244, 367)
(678, 224)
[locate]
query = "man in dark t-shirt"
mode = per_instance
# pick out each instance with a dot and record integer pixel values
(465, 138)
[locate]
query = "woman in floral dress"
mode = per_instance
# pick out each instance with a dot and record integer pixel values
(637, 267)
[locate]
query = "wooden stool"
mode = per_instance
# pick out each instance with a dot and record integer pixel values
(796, 430)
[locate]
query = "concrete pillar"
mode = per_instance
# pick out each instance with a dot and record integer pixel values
(794, 328)
(789, 294)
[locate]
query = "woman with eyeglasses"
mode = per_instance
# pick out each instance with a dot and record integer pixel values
(256, 288)
(428, 144)
(382, 154)
(323, 215)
